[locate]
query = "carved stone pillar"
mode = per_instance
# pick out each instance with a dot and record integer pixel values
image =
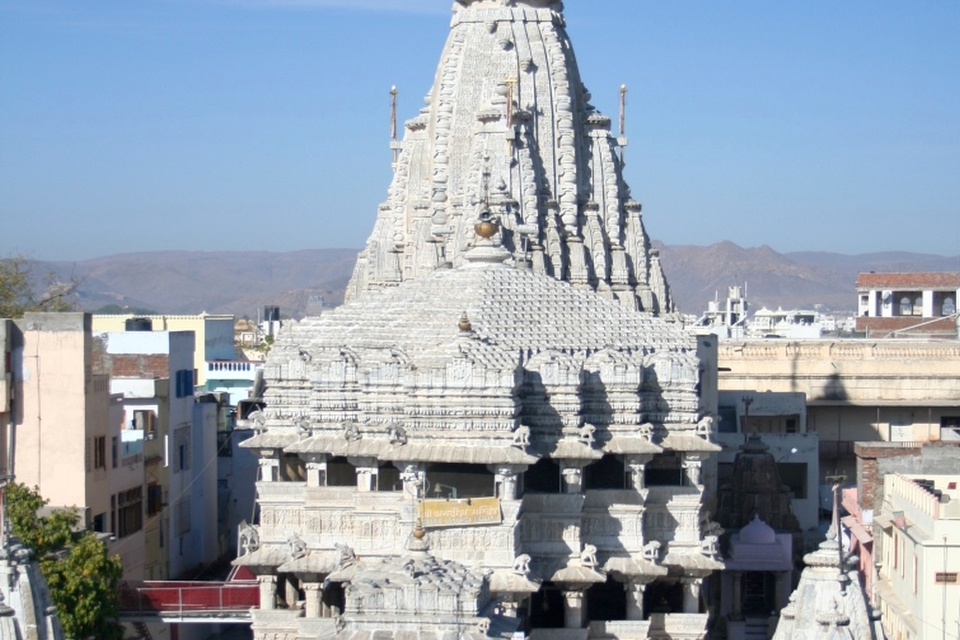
(412, 477)
(366, 473)
(506, 479)
(573, 479)
(691, 594)
(635, 599)
(268, 592)
(314, 591)
(691, 465)
(737, 595)
(638, 466)
(316, 471)
(573, 609)
(291, 594)
(269, 468)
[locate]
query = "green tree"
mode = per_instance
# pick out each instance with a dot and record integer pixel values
(22, 291)
(84, 580)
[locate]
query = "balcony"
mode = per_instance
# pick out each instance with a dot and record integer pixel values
(175, 600)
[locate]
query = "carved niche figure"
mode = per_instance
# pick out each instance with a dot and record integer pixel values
(586, 433)
(298, 548)
(249, 538)
(521, 565)
(708, 546)
(651, 551)
(521, 436)
(397, 434)
(351, 431)
(588, 557)
(346, 554)
(646, 431)
(705, 426)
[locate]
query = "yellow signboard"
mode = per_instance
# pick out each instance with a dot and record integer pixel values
(466, 512)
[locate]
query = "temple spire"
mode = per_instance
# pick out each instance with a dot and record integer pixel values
(394, 144)
(508, 100)
(622, 134)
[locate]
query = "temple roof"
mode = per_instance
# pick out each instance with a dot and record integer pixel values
(758, 532)
(508, 125)
(478, 343)
(509, 310)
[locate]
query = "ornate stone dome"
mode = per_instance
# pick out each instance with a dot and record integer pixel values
(758, 532)
(480, 343)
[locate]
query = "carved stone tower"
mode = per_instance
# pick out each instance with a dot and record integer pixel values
(508, 116)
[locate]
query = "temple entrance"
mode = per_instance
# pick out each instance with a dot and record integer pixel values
(388, 478)
(607, 601)
(759, 593)
(663, 597)
(341, 473)
(543, 477)
(546, 608)
(606, 473)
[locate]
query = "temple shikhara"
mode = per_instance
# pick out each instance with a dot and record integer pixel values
(501, 434)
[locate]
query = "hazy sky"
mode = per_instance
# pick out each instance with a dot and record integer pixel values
(130, 125)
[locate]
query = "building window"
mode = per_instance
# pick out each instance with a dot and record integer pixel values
(949, 307)
(340, 473)
(184, 383)
(100, 452)
(914, 574)
(154, 499)
(906, 306)
(129, 511)
(388, 478)
(183, 516)
(664, 470)
(606, 473)
(181, 440)
(728, 420)
(946, 577)
(542, 477)
(100, 523)
(145, 420)
(896, 550)
(114, 450)
(794, 475)
(293, 468)
(455, 480)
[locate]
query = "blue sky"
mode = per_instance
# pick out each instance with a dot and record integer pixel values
(131, 125)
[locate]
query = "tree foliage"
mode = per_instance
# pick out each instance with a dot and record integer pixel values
(84, 580)
(21, 290)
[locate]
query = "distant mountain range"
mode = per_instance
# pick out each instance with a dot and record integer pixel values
(797, 280)
(243, 282)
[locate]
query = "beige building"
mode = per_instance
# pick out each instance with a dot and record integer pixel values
(61, 414)
(856, 390)
(213, 332)
(918, 540)
(892, 305)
